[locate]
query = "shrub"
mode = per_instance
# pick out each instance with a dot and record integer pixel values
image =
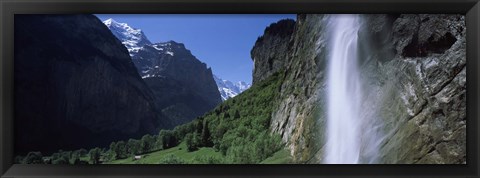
(60, 160)
(207, 159)
(192, 141)
(172, 159)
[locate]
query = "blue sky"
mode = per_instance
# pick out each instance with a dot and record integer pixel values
(223, 42)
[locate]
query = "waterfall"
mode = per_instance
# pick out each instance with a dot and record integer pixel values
(343, 145)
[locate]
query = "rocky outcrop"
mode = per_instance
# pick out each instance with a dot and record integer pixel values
(413, 67)
(76, 86)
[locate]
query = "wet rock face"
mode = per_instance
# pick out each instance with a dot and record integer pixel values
(414, 74)
(431, 84)
(421, 35)
(75, 86)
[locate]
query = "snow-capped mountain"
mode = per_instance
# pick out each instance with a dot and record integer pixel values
(183, 86)
(169, 59)
(229, 89)
(132, 38)
(148, 57)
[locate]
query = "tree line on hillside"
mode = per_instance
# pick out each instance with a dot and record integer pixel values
(238, 128)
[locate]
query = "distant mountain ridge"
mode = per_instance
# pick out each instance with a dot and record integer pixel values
(229, 89)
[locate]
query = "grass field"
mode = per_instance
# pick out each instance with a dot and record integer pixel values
(280, 157)
(85, 158)
(179, 151)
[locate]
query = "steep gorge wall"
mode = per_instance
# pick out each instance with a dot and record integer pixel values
(271, 49)
(76, 86)
(413, 68)
(423, 104)
(304, 68)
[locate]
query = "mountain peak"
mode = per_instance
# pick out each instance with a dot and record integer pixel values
(132, 38)
(109, 21)
(229, 89)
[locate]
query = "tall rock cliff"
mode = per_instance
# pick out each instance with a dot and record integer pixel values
(76, 86)
(413, 68)
(423, 103)
(270, 49)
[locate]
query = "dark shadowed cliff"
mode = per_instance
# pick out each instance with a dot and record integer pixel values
(76, 86)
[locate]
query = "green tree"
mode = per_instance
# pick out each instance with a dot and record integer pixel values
(75, 156)
(147, 143)
(167, 138)
(205, 136)
(133, 147)
(192, 141)
(109, 155)
(95, 155)
(236, 115)
(83, 152)
(33, 158)
(61, 157)
(121, 150)
(113, 150)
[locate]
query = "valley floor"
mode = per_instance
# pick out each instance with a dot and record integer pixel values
(179, 154)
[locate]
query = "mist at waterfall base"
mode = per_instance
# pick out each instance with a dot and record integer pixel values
(352, 132)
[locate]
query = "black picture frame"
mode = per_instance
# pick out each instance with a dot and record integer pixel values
(471, 8)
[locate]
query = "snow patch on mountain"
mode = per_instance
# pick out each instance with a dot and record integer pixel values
(229, 89)
(134, 39)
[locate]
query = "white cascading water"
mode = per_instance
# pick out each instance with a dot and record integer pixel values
(343, 144)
